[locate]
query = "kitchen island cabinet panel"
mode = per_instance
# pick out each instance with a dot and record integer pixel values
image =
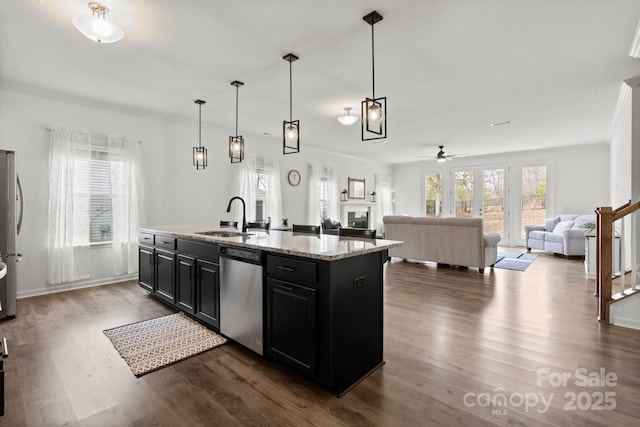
(165, 262)
(208, 292)
(186, 283)
(146, 275)
(291, 325)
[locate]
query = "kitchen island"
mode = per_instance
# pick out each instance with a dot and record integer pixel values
(317, 304)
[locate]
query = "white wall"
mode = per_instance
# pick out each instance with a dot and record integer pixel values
(578, 178)
(175, 192)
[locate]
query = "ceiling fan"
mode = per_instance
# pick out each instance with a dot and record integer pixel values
(442, 156)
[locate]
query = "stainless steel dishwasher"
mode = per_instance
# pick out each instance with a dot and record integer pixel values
(241, 296)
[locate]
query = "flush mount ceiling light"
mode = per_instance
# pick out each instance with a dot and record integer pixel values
(291, 128)
(374, 122)
(199, 152)
(236, 143)
(97, 27)
(347, 119)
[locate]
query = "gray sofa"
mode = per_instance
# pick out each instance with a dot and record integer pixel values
(562, 234)
(454, 241)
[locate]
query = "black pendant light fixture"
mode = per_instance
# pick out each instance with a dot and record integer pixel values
(199, 152)
(374, 110)
(291, 128)
(236, 143)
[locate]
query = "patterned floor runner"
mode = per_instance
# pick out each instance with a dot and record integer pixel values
(155, 343)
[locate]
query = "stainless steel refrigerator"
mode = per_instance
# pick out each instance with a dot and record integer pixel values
(11, 210)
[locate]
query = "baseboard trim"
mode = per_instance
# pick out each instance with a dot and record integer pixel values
(626, 322)
(76, 285)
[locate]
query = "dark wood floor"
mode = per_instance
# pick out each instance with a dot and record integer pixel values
(455, 343)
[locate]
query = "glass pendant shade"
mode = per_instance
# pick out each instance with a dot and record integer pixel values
(347, 119)
(97, 27)
(199, 157)
(236, 149)
(291, 137)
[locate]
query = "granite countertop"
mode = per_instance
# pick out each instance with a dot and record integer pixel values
(3, 269)
(322, 247)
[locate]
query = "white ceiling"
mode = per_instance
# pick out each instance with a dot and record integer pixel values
(447, 68)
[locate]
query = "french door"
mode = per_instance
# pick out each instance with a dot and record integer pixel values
(482, 191)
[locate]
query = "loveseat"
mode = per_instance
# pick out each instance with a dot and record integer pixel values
(562, 234)
(454, 241)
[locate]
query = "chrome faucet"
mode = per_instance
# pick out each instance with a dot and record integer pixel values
(244, 212)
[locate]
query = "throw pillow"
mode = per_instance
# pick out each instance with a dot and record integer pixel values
(584, 225)
(562, 226)
(551, 223)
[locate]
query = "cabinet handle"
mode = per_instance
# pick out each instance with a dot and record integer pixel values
(285, 288)
(289, 269)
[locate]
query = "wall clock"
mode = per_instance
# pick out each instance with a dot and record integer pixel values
(294, 177)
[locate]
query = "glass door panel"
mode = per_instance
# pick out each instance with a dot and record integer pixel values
(493, 196)
(433, 194)
(463, 193)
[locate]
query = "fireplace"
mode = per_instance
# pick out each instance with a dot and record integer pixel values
(357, 214)
(358, 219)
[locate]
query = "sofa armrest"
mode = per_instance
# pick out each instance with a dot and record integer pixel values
(574, 233)
(491, 239)
(532, 227)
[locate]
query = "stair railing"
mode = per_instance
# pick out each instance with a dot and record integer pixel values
(605, 241)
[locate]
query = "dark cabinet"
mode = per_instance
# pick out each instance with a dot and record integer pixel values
(146, 271)
(292, 324)
(165, 262)
(182, 272)
(186, 283)
(207, 285)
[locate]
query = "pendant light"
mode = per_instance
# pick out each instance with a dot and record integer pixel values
(97, 27)
(291, 128)
(236, 143)
(199, 152)
(347, 119)
(374, 110)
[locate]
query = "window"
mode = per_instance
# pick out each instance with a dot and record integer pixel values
(95, 196)
(261, 194)
(100, 199)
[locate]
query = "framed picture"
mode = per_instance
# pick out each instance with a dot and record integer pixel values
(356, 188)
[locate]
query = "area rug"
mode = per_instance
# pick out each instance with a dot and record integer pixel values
(155, 343)
(514, 260)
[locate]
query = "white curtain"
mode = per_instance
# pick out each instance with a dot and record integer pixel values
(318, 174)
(333, 193)
(127, 202)
(68, 229)
(249, 170)
(273, 201)
(314, 209)
(384, 205)
(248, 180)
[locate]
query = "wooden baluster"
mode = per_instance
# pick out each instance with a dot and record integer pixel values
(603, 253)
(622, 260)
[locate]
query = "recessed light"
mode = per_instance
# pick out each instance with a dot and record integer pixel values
(508, 122)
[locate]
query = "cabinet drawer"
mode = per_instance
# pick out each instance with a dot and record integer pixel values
(292, 269)
(146, 238)
(208, 251)
(166, 242)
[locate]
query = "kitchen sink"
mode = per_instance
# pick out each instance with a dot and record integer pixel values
(221, 233)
